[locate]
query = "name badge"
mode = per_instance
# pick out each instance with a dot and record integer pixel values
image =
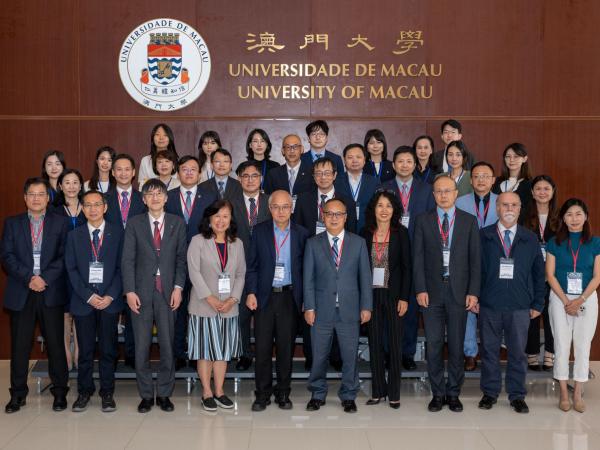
(37, 256)
(405, 220)
(294, 198)
(96, 273)
(574, 283)
(279, 272)
(446, 257)
(507, 268)
(224, 284)
(320, 228)
(378, 276)
(543, 248)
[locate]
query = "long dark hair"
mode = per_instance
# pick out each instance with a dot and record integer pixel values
(462, 148)
(210, 134)
(61, 157)
(525, 172)
(370, 219)
(60, 199)
(379, 136)
(170, 135)
(532, 219)
(563, 231)
(429, 162)
(204, 227)
(95, 178)
(264, 136)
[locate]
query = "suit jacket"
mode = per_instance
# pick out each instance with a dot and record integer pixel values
(399, 259)
(240, 215)
(232, 188)
(421, 200)
(79, 254)
(352, 282)
(17, 259)
(307, 158)
(113, 213)
(204, 270)
(386, 170)
(467, 204)
(277, 179)
(368, 185)
(202, 200)
(262, 259)
(465, 257)
(306, 212)
(140, 261)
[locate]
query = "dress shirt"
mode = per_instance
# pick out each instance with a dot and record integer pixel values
(451, 214)
(128, 190)
(183, 196)
(314, 155)
(223, 179)
(285, 255)
(354, 185)
(513, 231)
(328, 197)
(408, 184)
(247, 202)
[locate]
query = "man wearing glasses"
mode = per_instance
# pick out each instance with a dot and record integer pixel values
(337, 299)
(274, 287)
(317, 133)
(154, 273)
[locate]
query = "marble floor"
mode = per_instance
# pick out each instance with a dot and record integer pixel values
(36, 426)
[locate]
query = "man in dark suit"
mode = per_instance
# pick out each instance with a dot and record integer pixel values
(447, 276)
(416, 198)
(249, 209)
(317, 133)
(338, 296)
(222, 184)
(32, 256)
(189, 203)
(274, 286)
(154, 272)
(93, 263)
(451, 130)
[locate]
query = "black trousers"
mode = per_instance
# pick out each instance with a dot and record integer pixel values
(276, 321)
(22, 327)
(533, 336)
(104, 325)
(181, 323)
(128, 335)
(385, 320)
(245, 319)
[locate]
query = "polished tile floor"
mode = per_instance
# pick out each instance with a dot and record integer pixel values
(375, 427)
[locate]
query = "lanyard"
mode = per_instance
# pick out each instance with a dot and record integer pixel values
(71, 216)
(278, 247)
(222, 256)
(575, 255)
(378, 252)
(355, 192)
(264, 172)
(378, 174)
(405, 200)
(445, 236)
(188, 211)
(96, 251)
(480, 219)
(35, 239)
(339, 256)
(506, 248)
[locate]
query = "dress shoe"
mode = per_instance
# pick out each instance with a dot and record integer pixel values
(243, 363)
(394, 405)
(14, 405)
(579, 405)
(209, 404)
(284, 402)
(165, 404)
(470, 363)
(145, 405)
(519, 406)
(408, 362)
(180, 363)
(337, 365)
(349, 406)
(81, 403)
(308, 364)
(130, 361)
(487, 401)
(314, 404)
(436, 404)
(260, 405)
(375, 401)
(108, 403)
(224, 402)
(454, 403)
(59, 403)
(564, 405)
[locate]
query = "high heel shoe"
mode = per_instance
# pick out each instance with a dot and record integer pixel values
(533, 363)
(375, 401)
(394, 405)
(564, 405)
(579, 405)
(548, 361)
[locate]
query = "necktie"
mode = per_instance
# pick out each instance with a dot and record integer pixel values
(253, 213)
(404, 187)
(96, 241)
(318, 155)
(291, 179)
(335, 251)
(445, 230)
(221, 185)
(157, 281)
(321, 206)
(124, 206)
(188, 206)
(507, 242)
(481, 212)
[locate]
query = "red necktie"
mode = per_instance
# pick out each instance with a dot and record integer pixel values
(157, 281)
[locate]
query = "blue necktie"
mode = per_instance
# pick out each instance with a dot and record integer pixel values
(481, 212)
(507, 241)
(188, 206)
(335, 251)
(96, 240)
(221, 189)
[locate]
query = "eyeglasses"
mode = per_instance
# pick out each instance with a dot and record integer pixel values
(280, 208)
(155, 194)
(36, 194)
(189, 171)
(443, 191)
(325, 173)
(332, 214)
(248, 176)
(93, 205)
(482, 177)
(317, 134)
(292, 147)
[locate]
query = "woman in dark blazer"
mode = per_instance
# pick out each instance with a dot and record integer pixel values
(377, 163)
(389, 250)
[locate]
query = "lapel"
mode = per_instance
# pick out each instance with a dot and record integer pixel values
(435, 229)
(46, 236)
(150, 233)
(178, 209)
(455, 236)
(272, 251)
(263, 207)
(27, 232)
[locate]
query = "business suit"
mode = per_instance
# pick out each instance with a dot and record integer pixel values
(233, 187)
(139, 265)
(278, 179)
(446, 297)
(306, 212)
(386, 170)
(277, 313)
(26, 305)
(91, 322)
(385, 314)
(368, 185)
(339, 164)
(351, 284)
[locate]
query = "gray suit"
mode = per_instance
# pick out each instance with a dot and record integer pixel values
(352, 284)
(139, 264)
(446, 298)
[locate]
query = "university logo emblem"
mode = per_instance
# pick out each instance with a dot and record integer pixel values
(164, 64)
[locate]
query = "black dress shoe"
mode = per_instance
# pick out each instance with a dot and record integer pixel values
(260, 405)
(436, 404)
(145, 405)
(519, 406)
(14, 405)
(394, 405)
(408, 362)
(314, 404)
(59, 403)
(486, 402)
(454, 404)
(108, 403)
(243, 363)
(308, 364)
(337, 365)
(284, 402)
(165, 404)
(375, 401)
(130, 361)
(349, 406)
(81, 403)
(470, 364)
(534, 367)
(180, 363)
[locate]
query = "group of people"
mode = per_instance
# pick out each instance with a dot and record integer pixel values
(323, 245)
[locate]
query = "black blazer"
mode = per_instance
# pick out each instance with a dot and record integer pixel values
(399, 263)
(306, 211)
(199, 204)
(113, 213)
(240, 215)
(232, 188)
(277, 179)
(386, 170)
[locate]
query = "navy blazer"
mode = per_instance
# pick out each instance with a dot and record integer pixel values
(232, 187)
(202, 200)
(368, 185)
(277, 179)
(79, 254)
(306, 211)
(113, 213)
(337, 159)
(17, 259)
(262, 257)
(421, 200)
(386, 170)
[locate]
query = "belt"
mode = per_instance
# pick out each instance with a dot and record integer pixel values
(287, 287)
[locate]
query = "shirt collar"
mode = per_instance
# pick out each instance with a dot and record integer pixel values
(441, 212)
(101, 228)
(295, 169)
(408, 183)
(331, 236)
(119, 190)
(279, 231)
(313, 153)
(160, 219)
(329, 195)
(512, 229)
(193, 190)
(32, 220)
(247, 197)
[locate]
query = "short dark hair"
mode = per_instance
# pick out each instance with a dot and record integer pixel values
(61, 157)
(210, 134)
(204, 227)
(60, 200)
(34, 181)
(405, 149)
(462, 148)
(483, 164)
(124, 156)
(187, 158)
(223, 152)
(167, 154)
(245, 165)
(93, 191)
(370, 219)
(453, 123)
(317, 125)
(562, 234)
(265, 136)
(154, 184)
(322, 161)
(355, 145)
(379, 136)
